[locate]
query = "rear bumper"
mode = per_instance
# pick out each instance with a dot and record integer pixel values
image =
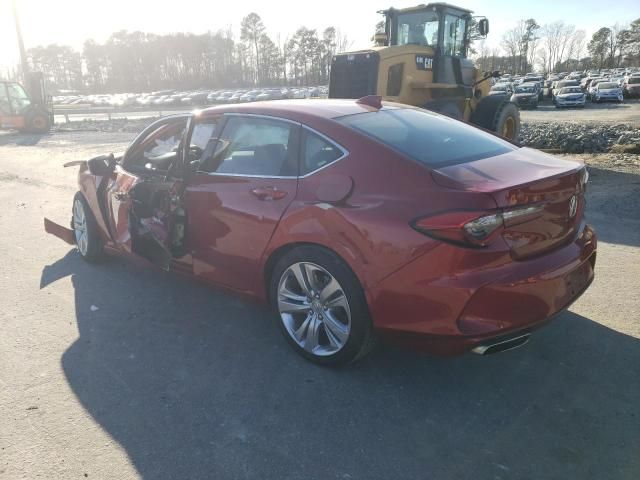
(455, 312)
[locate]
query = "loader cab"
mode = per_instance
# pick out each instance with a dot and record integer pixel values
(441, 28)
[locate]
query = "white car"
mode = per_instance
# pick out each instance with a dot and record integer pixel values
(607, 91)
(250, 96)
(501, 88)
(591, 90)
(570, 97)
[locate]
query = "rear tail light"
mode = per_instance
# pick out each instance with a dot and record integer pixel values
(473, 228)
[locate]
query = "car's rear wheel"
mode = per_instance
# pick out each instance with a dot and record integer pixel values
(85, 230)
(322, 310)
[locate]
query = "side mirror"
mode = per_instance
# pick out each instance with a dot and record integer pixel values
(102, 165)
(483, 27)
(380, 39)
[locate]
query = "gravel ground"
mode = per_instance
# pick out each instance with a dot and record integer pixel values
(578, 138)
(114, 372)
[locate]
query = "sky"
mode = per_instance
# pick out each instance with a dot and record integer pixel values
(71, 22)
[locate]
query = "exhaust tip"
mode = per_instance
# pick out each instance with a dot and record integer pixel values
(502, 345)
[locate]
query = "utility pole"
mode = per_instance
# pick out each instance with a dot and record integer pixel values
(23, 53)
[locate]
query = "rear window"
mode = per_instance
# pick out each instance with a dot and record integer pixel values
(432, 139)
(633, 80)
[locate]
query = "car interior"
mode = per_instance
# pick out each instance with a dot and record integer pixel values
(252, 146)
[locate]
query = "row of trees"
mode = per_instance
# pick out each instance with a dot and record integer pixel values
(137, 61)
(558, 46)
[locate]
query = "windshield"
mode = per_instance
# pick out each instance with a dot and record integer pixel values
(418, 28)
(570, 90)
(634, 80)
(526, 89)
(605, 85)
(501, 86)
(18, 98)
(432, 139)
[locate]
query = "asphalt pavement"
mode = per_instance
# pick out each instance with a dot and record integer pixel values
(111, 371)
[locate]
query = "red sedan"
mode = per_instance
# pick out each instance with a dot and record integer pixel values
(353, 219)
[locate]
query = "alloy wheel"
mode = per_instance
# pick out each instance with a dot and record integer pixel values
(80, 227)
(314, 309)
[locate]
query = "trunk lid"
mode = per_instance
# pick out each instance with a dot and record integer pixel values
(526, 177)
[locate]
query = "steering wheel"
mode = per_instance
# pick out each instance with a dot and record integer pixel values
(194, 153)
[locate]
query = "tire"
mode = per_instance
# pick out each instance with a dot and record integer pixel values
(89, 245)
(495, 113)
(37, 121)
(298, 310)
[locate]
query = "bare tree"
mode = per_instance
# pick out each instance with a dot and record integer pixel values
(251, 31)
(576, 48)
(556, 38)
(510, 44)
(543, 59)
(342, 42)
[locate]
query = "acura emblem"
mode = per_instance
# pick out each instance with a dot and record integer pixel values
(573, 206)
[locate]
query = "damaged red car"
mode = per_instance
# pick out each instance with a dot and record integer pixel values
(354, 219)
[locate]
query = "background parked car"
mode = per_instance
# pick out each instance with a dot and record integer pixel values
(501, 89)
(570, 97)
(631, 86)
(557, 86)
(607, 92)
(526, 95)
(591, 89)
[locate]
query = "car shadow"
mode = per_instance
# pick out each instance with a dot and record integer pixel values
(612, 205)
(193, 383)
(21, 139)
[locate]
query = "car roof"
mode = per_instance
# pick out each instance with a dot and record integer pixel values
(301, 109)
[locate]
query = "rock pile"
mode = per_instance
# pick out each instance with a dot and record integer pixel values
(578, 138)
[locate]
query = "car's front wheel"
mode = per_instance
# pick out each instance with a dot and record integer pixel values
(321, 307)
(85, 230)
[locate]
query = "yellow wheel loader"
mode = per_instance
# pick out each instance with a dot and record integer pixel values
(421, 60)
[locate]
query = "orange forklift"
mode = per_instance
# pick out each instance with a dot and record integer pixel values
(28, 110)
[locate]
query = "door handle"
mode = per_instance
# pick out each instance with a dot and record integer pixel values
(268, 193)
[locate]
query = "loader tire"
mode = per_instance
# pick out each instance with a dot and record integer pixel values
(498, 114)
(37, 121)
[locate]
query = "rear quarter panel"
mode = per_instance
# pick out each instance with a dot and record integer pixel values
(370, 229)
